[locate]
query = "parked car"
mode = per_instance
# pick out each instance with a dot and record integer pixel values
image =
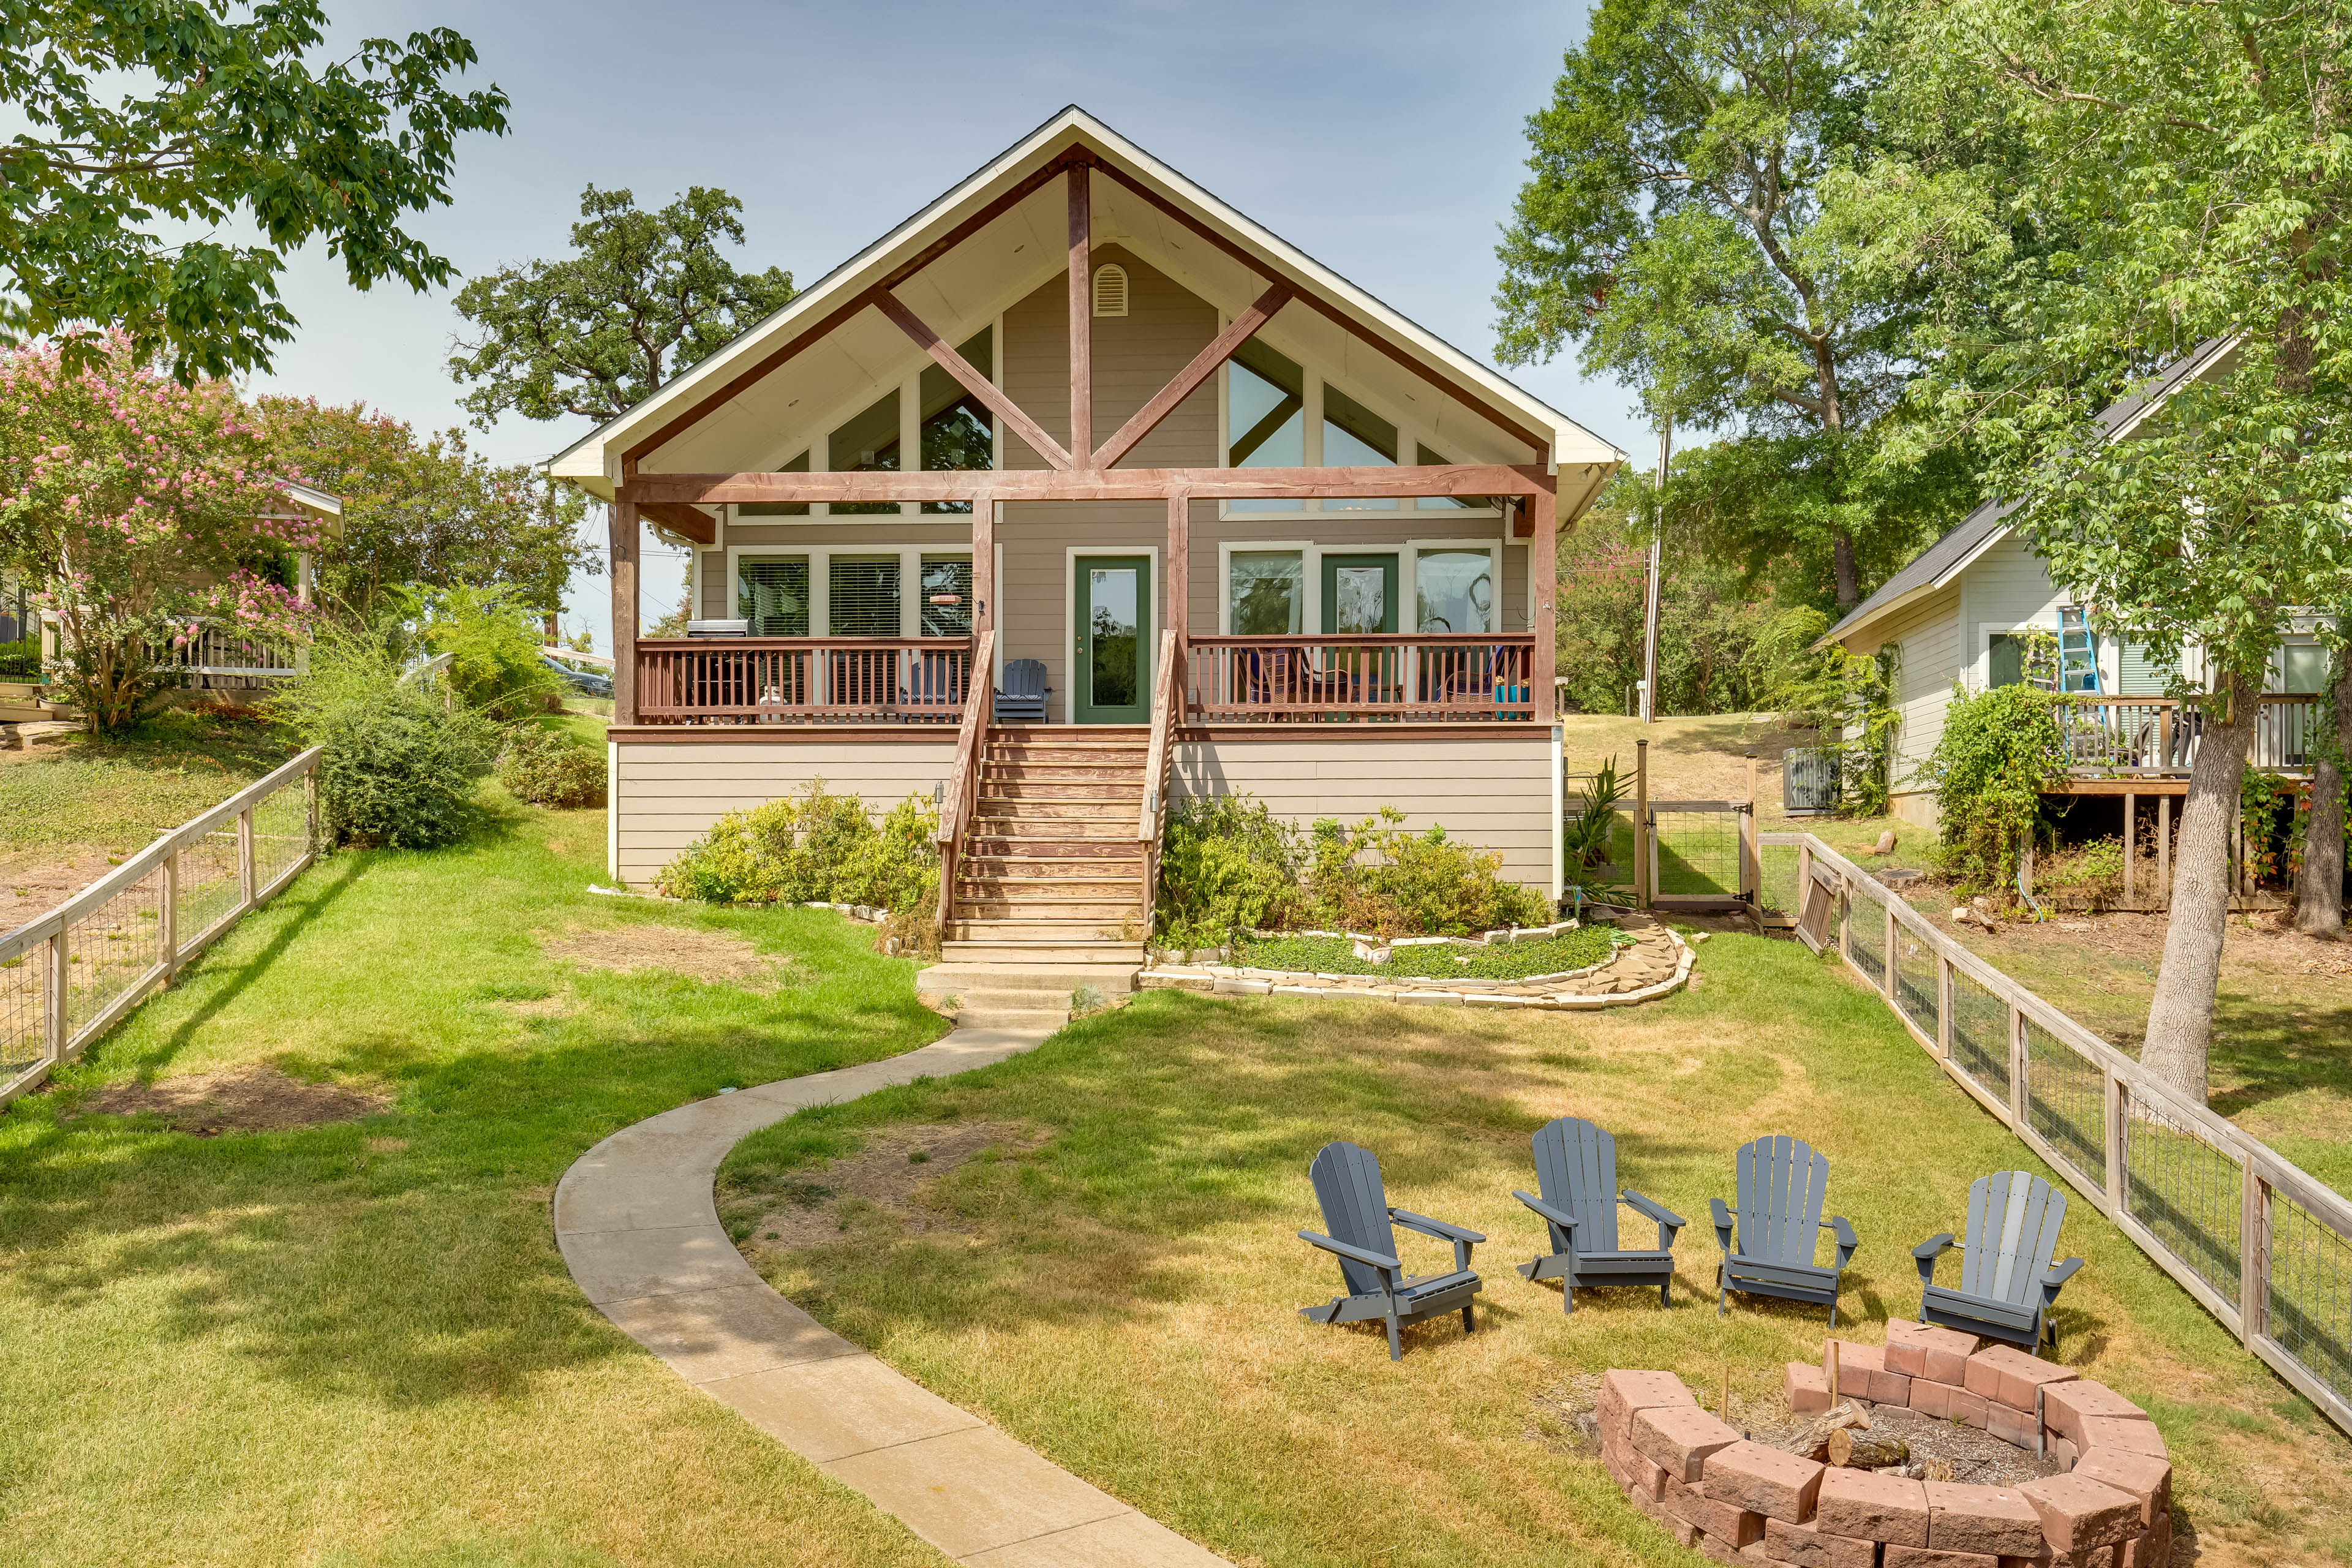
(587, 682)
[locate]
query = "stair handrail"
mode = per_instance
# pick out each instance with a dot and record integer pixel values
(964, 778)
(1167, 712)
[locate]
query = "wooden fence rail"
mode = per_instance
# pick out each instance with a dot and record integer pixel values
(2261, 1244)
(68, 976)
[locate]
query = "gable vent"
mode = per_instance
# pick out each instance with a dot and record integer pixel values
(1110, 290)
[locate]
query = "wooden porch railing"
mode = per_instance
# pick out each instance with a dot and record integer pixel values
(1420, 677)
(1167, 714)
(2153, 734)
(964, 778)
(803, 681)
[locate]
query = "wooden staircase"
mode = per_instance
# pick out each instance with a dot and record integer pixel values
(1051, 871)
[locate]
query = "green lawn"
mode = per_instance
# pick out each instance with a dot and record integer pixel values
(355, 1344)
(1117, 1285)
(115, 794)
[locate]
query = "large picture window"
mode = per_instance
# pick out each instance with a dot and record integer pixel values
(958, 430)
(771, 592)
(1454, 592)
(946, 577)
(1265, 410)
(1267, 593)
(1355, 437)
(868, 444)
(861, 594)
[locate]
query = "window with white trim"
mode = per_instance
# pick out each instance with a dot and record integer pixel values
(1266, 592)
(771, 592)
(1278, 414)
(946, 607)
(862, 595)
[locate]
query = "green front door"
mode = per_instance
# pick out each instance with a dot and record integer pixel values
(1359, 593)
(1110, 681)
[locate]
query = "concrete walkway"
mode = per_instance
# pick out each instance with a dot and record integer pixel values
(638, 1228)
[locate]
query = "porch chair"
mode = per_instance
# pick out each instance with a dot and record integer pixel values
(1576, 1170)
(935, 682)
(1767, 1246)
(1021, 698)
(1363, 1238)
(2007, 1284)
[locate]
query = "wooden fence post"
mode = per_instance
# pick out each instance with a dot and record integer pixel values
(1641, 887)
(2018, 1059)
(245, 869)
(2112, 1093)
(1751, 866)
(310, 809)
(167, 919)
(1890, 954)
(53, 959)
(2254, 1253)
(1943, 1005)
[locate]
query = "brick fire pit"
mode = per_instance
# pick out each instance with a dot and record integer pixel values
(1748, 1502)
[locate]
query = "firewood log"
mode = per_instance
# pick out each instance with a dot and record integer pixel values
(1812, 1440)
(1855, 1451)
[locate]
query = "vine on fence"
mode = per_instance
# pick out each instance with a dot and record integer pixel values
(1999, 750)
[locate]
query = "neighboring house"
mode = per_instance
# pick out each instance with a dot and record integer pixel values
(223, 659)
(1290, 540)
(1961, 615)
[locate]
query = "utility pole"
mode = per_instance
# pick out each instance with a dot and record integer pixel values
(1650, 598)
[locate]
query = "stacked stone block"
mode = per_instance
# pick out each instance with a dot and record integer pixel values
(1743, 1502)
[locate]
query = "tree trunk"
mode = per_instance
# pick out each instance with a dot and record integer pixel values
(2180, 1018)
(1849, 576)
(2319, 890)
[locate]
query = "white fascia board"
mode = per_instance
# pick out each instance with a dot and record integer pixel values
(592, 462)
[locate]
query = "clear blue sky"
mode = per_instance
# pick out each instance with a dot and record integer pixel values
(1384, 138)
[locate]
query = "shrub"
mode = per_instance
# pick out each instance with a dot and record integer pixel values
(401, 761)
(1227, 865)
(551, 768)
(493, 643)
(1998, 750)
(814, 848)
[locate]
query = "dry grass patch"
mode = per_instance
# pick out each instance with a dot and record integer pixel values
(234, 1100)
(888, 1182)
(718, 957)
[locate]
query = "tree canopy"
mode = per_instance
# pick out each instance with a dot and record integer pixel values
(1697, 223)
(644, 296)
(428, 511)
(146, 113)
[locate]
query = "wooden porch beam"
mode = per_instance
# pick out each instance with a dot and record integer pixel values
(1180, 567)
(816, 332)
(1204, 365)
(683, 518)
(1540, 445)
(621, 521)
(1543, 565)
(972, 380)
(1082, 315)
(1098, 484)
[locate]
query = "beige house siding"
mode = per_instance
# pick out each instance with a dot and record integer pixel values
(665, 795)
(1134, 356)
(1927, 631)
(1492, 792)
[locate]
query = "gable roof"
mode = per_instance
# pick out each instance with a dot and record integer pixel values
(1941, 563)
(704, 393)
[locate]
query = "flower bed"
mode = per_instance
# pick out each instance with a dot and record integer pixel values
(1634, 961)
(1735, 1498)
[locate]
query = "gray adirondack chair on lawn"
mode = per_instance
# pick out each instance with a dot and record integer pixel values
(1576, 1171)
(1355, 1211)
(1767, 1247)
(2007, 1283)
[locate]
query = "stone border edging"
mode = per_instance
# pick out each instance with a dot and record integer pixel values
(638, 1228)
(1228, 980)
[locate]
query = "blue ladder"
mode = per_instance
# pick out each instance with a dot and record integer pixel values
(2078, 651)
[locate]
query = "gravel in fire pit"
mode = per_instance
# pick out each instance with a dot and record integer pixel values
(1976, 1456)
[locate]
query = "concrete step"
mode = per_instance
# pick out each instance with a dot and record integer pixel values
(951, 977)
(995, 1017)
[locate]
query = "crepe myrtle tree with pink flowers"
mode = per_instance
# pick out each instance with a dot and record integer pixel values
(140, 505)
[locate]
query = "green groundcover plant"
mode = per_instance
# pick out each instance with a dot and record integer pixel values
(1230, 864)
(814, 848)
(1572, 949)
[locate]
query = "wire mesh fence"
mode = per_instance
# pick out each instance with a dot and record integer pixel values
(112, 948)
(2181, 1172)
(1777, 869)
(1915, 985)
(65, 976)
(1695, 852)
(1979, 1034)
(2065, 1101)
(1865, 939)
(2187, 1192)
(2307, 1297)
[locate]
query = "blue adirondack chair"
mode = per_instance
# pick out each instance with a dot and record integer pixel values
(1767, 1247)
(1021, 700)
(1355, 1211)
(1576, 1170)
(2007, 1283)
